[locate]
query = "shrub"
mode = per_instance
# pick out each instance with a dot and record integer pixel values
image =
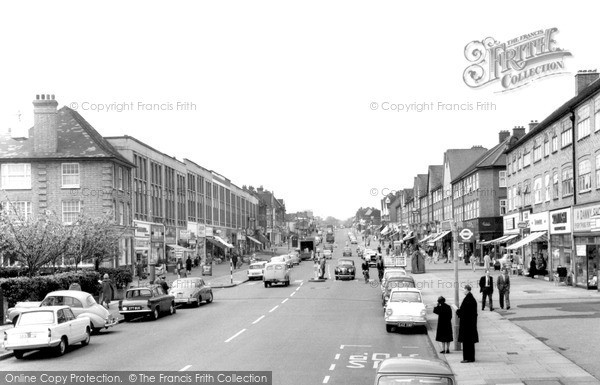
(121, 276)
(11, 272)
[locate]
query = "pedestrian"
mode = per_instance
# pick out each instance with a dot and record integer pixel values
(436, 255)
(234, 260)
(473, 263)
(444, 326)
(322, 268)
(365, 270)
(467, 329)
(532, 268)
(163, 283)
(179, 267)
(379, 250)
(486, 288)
(486, 261)
(108, 291)
(503, 284)
(188, 265)
(380, 267)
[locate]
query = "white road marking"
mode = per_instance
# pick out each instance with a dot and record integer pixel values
(297, 289)
(285, 300)
(332, 367)
(364, 346)
(291, 295)
(252, 283)
(235, 335)
(258, 320)
(326, 379)
(337, 356)
(410, 347)
(298, 281)
(273, 309)
(185, 368)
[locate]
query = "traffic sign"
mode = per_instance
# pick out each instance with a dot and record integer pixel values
(465, 234)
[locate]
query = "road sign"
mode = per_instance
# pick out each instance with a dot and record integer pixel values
(522, 225)
(466, 234)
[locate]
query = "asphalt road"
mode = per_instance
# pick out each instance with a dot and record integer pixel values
(307, 333)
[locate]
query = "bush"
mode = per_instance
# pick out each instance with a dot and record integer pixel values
(11, 272)
(35, 289)
(121, 276)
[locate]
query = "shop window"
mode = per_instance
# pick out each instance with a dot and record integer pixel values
(583, 124)
(567, 182)
(584, 181)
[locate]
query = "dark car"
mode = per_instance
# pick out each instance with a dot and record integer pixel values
(345, 269)
(395, 283)
(347, 252)
(146, 301)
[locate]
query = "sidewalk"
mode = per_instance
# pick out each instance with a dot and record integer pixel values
(506, 353)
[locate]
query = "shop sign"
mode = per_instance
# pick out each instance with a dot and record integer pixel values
(538, 221)
(523, 225)
(158, 233)
(581, 250)
(510, 224)
(141, 230)
(170, 235)
(192, 227)
(141, 244)
(184, 235)
(465, 234)
(201, 230)
(209, 232)
(493, 224)
(446, 226)
(560, 221)
(586, 219)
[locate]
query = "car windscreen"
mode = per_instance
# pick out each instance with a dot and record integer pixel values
(53, 301)
(405, 297)
(256, 267)
(139, 293)
(395, 284)
(346, 263)
(278, 267)
(36, 318)
(413, 380)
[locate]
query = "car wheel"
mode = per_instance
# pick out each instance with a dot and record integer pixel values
(18, 354)
(199, 301)
(86, 341)
(61, 349)
(266, 284)
(172, 309)
(154, 315)
(389, 328)
(337, 278)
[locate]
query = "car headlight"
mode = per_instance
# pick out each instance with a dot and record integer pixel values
(388, 311)
(423, 313)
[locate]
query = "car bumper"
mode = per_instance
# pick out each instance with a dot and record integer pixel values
(50, 344)
(111, 322)
(345, 276)
(143, 311)
(186, 300)
(406, 322)
(255, 276)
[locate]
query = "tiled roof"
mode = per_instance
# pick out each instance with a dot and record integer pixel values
(494, 157)
(77, 139)
(460, 159)
(436, 177)
(421, 184)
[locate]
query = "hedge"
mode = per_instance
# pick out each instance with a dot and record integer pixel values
(35, 289)
(121, 276)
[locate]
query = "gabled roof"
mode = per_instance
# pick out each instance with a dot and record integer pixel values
(421, 184)
(494, 157)
(436, 177)
(77, 139)
(559, 113)
(460, 159)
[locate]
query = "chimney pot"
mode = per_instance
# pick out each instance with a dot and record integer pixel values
(45, 123)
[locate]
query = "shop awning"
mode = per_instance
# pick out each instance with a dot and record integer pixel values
(502, 239)
(385, 230)
(227, 244)
(253, 239)
(218, 241)
(179, 248)
(428, 237)
(408, 236)
(439, 236)
(540, 236)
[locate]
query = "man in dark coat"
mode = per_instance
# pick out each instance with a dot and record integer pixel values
(108, 291)
(486, 288)
(188, 265)
(503, 283)
(444, 326)
(467, 329)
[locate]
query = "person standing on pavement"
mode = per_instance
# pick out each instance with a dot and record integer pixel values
(467, 329)
(108, 291)
(503, 284)
(532, 268)
(365, 270)
(380, 267)
(486, 261)
(473, 263)
(188, 265)
(444, 326)
(486, 288)
(234, 260)
(179, 267)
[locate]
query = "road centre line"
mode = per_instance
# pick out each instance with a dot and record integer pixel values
(326, 379)
(235, 335)
(185, 368)
(332, 367)
(297, 289)
(285, 300)
(337, 357)
(258, 320)
(273, 308)
(291, 295)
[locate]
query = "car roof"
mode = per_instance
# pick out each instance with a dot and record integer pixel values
(401, 278)
(258, 263)
(45, 308)
(69, 293)
(414, 366)
(276, 263)
(143, 287)
(345, 260)
(406, 289)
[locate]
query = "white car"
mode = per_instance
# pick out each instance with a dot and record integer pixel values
(405, 309)
(285, 259)
(392, 272)
(327, 254)
(256, 270)
(47, 327)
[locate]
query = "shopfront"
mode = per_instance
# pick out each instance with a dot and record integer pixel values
(538, 225)
(157, 244)
(561, 244)
(586, 233)
(141, 245)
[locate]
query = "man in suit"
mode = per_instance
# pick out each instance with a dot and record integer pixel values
(467, 328)
(503, 284)
(486, 287)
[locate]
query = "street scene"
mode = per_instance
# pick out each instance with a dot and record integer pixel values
(319, 193)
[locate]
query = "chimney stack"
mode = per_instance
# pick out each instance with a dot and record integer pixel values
(584, 78)
(519, 132)
(503, 135)
(532, 124)
(45, 135)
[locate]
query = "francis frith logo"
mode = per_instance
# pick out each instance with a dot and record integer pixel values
(515, 63)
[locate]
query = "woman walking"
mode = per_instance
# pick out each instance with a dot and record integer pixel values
(444, 326)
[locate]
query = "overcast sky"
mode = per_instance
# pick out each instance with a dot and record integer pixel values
(283, 91)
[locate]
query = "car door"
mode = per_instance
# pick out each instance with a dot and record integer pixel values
(63, 328)
(76, 327)
(75, 305)
(163, 299)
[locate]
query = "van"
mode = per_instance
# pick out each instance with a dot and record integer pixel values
(276, 272)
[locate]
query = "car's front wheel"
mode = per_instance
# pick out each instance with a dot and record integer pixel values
(86, 341)
(154, 314)
(172, 309)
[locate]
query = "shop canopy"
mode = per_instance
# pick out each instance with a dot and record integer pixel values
(385, 230)
(253, 239)
(502, 239)
(408, 236)
(227, 244)
(439, 236)
(219, 242)
(540, 236)
(179, 248)
(428, 237)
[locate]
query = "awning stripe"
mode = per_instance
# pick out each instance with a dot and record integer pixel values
(527, 240)
(440, 236)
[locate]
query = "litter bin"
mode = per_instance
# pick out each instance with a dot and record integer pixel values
(206, 269)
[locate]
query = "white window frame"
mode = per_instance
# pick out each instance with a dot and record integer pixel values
(63, 175)
(583, 122)
(554, 143)
(567, 184)
(502, 179)
(584, 176)
(597, 114)
(11, 180)
(70, 212)
(526, 159)
(121, 213)
(16, 213)
(597, 170)
(537, 190)
(547, 185)
(120, 178)
(546, 147)
(555, 185)
(503, 206)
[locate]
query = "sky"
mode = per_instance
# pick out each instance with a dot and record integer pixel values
(294, 96)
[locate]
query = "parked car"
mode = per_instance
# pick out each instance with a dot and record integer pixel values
(329, 246)
(392, 272)
(395, 283)
(146, 301)
(327, 254)
(345, 269)
(80, 302)
(47, 327)
(405, 309)
(285, 259)
(276, 272)
(190, 291)
(256, 270)
(408, 370)
(347, 252)
(295, 258)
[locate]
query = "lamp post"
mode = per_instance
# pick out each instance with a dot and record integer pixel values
(454, 229)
